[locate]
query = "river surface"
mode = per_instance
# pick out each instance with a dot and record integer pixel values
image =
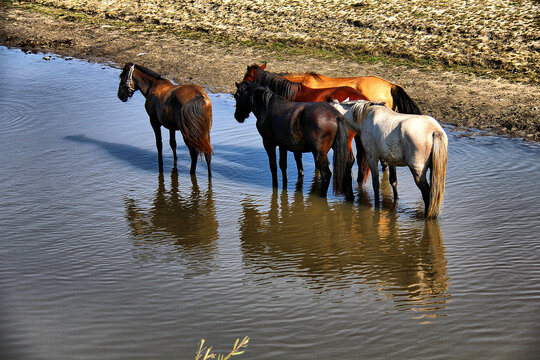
(102, 258)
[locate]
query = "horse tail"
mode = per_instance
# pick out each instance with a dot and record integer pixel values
(363, 166)
(195, 123)
(403, 102)
(439, 157)
(343, 158)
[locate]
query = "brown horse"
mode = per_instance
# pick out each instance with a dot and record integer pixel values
(176, 107)
(298, 127)
(372, 87)
(298, 92)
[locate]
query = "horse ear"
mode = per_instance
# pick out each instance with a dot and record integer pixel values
(332, 101)
(263, 66)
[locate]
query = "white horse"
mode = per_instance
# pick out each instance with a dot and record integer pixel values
(416, 141)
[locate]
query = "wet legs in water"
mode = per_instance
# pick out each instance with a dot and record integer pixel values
(159, 145)
(420, 178)
(271, 152)
(322, 164)
(393, 180)
(172, 143)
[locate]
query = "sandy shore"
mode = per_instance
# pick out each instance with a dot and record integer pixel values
(494, 105)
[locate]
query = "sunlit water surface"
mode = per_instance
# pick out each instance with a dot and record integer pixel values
(102, 258)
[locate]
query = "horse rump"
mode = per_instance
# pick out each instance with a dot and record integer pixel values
(195, 122)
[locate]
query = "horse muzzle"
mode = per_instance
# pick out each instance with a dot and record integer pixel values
(124, 94)
(240, 118)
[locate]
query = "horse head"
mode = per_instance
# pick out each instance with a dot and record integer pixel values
(126, 88)
(353, 111)
(250, 75)
(242, 96)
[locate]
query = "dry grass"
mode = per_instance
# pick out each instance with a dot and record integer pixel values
(205, 353)
(497, 35)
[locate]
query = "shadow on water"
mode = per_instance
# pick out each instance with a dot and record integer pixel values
(253, 161)
(177, 226)
(341, 245)
(140, 158)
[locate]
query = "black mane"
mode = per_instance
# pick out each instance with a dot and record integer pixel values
(277, 84)
(149, 72)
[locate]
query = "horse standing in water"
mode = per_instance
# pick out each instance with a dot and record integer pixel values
(300, 93)
(298, 127)
(416, 141)
(176, 107)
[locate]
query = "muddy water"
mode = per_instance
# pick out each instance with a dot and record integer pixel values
(103, 258)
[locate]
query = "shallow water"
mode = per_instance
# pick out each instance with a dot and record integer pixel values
(103, 258)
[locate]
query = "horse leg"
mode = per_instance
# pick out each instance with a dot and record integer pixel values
(420, 178)
(393, 180)
(359, 157)
(283, 164)
(159, 145)
(172, 143)
(322, 164)
(193, 154)
(299, 166)
(373, 166)
(208, 158)
(271, 152)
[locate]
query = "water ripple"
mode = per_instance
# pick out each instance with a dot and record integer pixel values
(15, 114)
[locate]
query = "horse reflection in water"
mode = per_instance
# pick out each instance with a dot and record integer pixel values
(349, 246)
(183, 221)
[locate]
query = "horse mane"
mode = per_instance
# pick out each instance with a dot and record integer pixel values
(266, 94)
(149, 72)
(277, 84)
(362, 106)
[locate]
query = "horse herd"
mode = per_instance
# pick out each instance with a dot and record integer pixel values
(308, 113)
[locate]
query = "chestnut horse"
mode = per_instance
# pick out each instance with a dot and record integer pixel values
(176, 107)
(372, 87)
(298, 92)
(416, 141)
(298, 127)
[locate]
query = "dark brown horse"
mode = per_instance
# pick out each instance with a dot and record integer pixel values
(298, 127)
(176, 107)
(298, 92)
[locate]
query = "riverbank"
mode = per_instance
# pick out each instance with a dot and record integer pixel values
(208, 56)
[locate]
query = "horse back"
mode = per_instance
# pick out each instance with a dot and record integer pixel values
(184, 93)
(373, 88)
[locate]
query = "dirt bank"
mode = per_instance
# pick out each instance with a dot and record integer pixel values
(465, 100)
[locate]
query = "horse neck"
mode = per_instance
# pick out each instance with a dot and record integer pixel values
(261, 102)
(145, 83)
(278, 84)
